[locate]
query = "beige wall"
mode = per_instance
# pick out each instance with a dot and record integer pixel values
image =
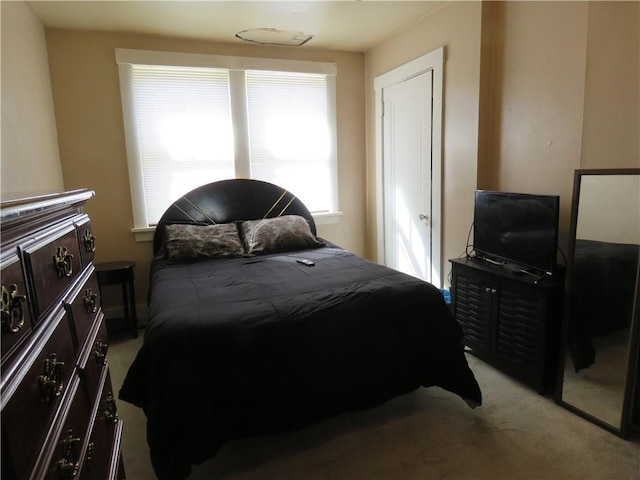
(30, 163)
(611, 132)
(540, 60)
(609, 209)
(84, 78)
(520, 87)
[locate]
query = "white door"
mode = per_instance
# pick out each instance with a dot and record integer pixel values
(406, 126)
(408, 167)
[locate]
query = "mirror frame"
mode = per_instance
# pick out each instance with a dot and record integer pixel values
(633, 369)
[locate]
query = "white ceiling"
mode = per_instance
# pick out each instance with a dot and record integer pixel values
(338, 25)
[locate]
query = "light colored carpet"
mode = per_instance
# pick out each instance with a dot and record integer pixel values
(424, 435)
(599, 389)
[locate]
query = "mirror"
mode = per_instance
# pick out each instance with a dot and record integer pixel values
(599, 363)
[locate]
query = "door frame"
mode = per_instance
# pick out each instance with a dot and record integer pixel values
(433, 61)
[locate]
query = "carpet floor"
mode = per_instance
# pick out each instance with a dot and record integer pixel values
(427, 434)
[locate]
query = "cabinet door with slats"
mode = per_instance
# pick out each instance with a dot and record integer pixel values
(519, 328)
(472, 301)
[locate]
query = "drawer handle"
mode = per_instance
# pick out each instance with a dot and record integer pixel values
(101, 353)
(110, 410)
(91, 451)
(68, 465)
(89, 241)
(62, 262)
(90, 301)
(51, 384)
(12, 310)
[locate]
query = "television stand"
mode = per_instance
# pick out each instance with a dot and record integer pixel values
(509, 320)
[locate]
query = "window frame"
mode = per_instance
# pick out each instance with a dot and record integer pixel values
(125, 58)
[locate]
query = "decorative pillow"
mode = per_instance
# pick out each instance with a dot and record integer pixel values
(288, 232)
(191, 242)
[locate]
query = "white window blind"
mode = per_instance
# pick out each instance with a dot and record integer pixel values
(184, 130)
(289, 136)
(192, 119)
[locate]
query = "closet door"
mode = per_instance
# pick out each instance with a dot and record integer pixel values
(407, 175)
(408, 167)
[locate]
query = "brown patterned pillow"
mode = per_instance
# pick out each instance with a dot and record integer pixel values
(289, 232)
(191, 242)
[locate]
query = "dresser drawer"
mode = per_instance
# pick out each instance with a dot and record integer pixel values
(104, 433)
(53, 263)
(16, 317)
(86, 239)
(120, 474)
(65, 455)
(33, 393)
(93, 358)
(83, 305)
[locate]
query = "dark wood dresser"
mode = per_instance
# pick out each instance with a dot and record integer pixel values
(58, 414)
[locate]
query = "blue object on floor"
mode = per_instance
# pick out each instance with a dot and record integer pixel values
(447, 295)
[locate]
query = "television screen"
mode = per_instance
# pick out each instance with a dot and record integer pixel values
(517, 228)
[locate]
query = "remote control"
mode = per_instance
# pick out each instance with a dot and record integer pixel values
(306, 262)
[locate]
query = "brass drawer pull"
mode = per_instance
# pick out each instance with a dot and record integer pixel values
(12, 309)
(89, 241)
(110, 410)
(100, 351)
(68, 464)
(62, 262)
(51, 384)
(91, 451)
(90, 301)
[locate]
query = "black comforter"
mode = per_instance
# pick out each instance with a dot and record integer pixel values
(244, 346)
(602, 294)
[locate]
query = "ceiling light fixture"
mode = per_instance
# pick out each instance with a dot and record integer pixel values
(274, 36)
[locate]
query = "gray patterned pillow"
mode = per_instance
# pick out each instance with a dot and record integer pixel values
(289, 232)
(191, 242)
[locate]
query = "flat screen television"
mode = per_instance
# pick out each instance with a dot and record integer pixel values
(517, 228)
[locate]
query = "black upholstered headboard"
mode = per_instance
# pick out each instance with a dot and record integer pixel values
(231, 200)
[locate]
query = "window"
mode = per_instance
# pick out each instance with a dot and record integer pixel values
(192, 119)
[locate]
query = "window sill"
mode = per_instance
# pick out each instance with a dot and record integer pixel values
(145, 234)
(327, 218)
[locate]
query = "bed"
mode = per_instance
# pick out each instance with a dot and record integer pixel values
(602, 294)
(255, 342)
